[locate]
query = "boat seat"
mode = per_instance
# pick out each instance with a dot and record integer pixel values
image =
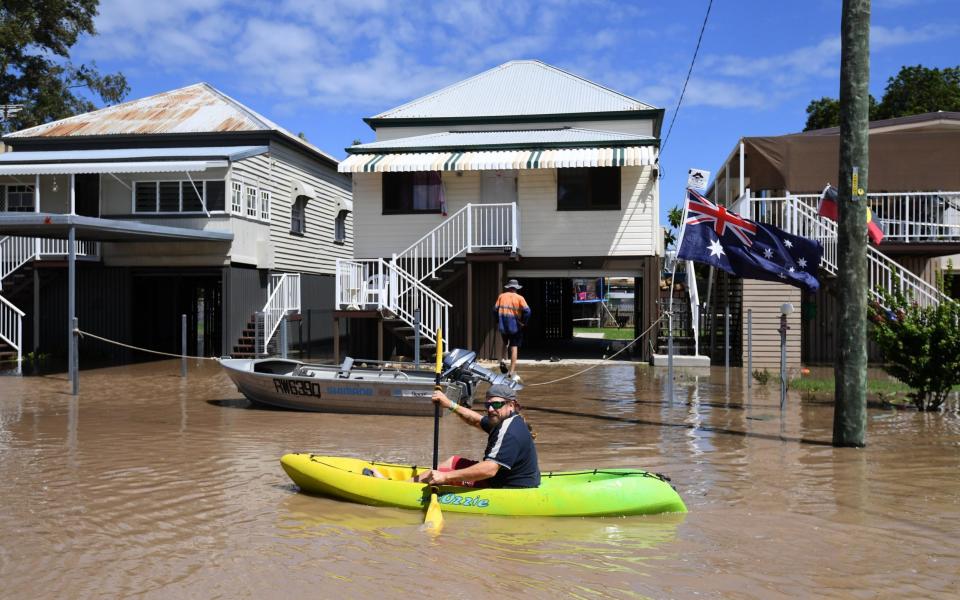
(345, 367)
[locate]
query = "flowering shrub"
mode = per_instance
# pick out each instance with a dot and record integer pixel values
(920, 345)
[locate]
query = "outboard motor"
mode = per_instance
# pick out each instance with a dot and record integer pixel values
(461, 365)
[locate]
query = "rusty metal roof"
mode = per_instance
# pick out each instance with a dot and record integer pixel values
(197, 108)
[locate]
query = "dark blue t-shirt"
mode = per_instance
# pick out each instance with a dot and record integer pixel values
(510, 445)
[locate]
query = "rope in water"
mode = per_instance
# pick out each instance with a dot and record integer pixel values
(85, 334)
(635, 340)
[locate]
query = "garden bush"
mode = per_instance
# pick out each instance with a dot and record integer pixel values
(920, 345)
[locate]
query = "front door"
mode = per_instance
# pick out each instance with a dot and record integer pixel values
(498, 187)
(87, 195)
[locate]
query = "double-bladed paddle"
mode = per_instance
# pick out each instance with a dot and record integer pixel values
(433, 521)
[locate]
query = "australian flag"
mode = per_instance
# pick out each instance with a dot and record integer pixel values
(745, 248)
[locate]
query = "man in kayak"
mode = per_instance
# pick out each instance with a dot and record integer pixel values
(510, 459)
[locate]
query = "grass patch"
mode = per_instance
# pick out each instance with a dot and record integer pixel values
(827, 385)
(609, 333)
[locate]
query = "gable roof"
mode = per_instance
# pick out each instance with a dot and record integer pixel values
(516, 88)
(197, 108)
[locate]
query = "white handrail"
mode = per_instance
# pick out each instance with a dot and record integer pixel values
(284, 298)
(377, 284)
(798, 215)
(911, 216)
(474, 227)
(11, 328)
(16, 251)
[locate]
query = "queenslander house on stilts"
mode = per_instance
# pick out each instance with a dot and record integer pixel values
(914, 196)
(524, 171)
(186, 202)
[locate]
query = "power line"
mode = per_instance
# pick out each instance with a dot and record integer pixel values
(687, 80)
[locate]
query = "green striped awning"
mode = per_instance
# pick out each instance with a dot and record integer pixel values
(629, 156)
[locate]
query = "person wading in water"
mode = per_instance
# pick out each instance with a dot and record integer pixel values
(512, 314)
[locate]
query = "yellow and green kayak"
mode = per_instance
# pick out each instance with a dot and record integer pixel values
(594, 493)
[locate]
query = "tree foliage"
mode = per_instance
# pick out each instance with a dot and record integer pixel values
(35, 67)
(914, 90)
(920, 345)
(917, 90)
(675, 218)
(825, 112)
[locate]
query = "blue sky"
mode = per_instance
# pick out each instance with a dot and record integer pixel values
(320, 66)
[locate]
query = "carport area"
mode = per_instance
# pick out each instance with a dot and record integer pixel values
(75, 228)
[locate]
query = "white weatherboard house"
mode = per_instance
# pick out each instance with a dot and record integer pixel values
(524, 171)
(186, 202)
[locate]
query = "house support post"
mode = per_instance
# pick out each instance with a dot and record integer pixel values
(416, 338)
(336, 340)
(36, 311)
(749, 347)
(850, 409)
(471, 318)
(284, 334)
(380, 338)
(741, 178)
(72, 307)
(183, 345)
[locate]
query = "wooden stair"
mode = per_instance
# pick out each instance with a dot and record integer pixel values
(247, 342)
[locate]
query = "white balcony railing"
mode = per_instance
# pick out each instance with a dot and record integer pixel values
(16, 251)
(283, 298)
(798, 215)
(473, 228)
(903, 216)
(376, 284)
(11, 328)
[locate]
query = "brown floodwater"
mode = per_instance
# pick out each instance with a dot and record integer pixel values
(152, 486)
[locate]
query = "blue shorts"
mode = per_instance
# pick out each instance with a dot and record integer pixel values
(512, 339)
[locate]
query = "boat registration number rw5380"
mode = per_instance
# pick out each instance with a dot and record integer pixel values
(297, 388)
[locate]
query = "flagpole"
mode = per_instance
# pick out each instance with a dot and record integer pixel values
(672, 288)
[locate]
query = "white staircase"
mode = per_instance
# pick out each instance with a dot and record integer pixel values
(797, 214)
(398, 286)
(283, 298)
(15, 252)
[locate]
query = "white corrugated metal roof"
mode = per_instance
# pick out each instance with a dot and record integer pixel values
(519, 87)
(500, 159)
(520, 137)
(197, 108)
(221, 152)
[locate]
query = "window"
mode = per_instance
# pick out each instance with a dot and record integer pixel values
(16, 198)
(251, 201)
(264, 205)
(236, 198)
(340, 227)
(178, 196)
(589, 188)
(192, 201)
(145, 196)
(412, 193)
(169, 196)
(215, 192)
(298, 216)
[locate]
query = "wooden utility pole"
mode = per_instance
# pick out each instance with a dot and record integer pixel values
(850, 411)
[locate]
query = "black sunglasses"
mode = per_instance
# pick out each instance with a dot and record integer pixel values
(495, 405)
